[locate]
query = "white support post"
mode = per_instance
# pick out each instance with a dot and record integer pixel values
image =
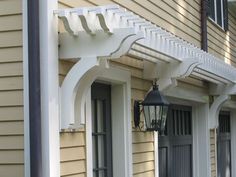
(26, 91)
(156, 154)
(201, 137)
(49, 88)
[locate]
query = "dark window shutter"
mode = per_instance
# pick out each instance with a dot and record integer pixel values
(226, 19)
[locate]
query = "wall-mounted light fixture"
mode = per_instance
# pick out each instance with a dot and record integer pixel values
(155, 108)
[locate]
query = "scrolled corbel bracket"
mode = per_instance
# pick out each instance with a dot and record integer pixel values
(168, 73)
(215, 109)
(94, 53)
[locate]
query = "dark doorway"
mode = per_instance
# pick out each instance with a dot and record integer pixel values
(224, 145)
(101, 130)
(175, 143)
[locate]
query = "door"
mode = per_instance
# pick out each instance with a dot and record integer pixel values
(101, 130)
(224, 145)
(175, 143)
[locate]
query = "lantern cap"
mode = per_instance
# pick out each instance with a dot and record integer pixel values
(155, 98)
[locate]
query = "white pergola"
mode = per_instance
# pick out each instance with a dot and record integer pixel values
(96, 34)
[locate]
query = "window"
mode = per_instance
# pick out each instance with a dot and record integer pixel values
(218, 12)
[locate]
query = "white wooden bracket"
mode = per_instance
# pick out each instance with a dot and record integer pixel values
(92, 45)
(224, 91)
(215, 109)
(168, 73)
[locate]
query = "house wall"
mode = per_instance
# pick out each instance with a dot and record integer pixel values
(223, 44)
(183, 21)
(11, 90)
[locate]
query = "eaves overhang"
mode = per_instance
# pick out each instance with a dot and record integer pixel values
(157, 44)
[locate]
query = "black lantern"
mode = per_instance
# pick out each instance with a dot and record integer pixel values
(155, 108)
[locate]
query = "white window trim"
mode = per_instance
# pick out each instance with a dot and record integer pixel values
(222, 14)
(121, 123)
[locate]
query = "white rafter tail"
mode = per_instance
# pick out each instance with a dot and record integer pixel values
(63, 15)
(82, 13)
(126, 45)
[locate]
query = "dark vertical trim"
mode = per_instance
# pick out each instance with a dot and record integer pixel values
(34, 89)
(204, 40)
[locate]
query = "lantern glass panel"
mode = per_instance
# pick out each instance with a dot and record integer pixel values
(164, 117)
(155, 117)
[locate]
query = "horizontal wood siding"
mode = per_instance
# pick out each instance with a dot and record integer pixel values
(223, 44)
(213, 152)
(73, 153)
(11, 90)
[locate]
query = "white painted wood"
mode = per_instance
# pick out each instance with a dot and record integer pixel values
(121, 122)
(107, 19)
(215, 109)
(49, 88)
(156, 154)
(26, 91)
(69, 90)
(89, 146)
(201, 137)
(84, 45)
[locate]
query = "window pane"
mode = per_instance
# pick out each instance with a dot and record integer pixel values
(212, 9)
(101, 150)
(219, 12)
(100, 116)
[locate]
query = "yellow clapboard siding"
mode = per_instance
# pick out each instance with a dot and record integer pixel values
(173, 15)
(137, 94)
(12, 22)
(141, 84)
(135, 72)
(11, 54)
(65, 66)
(11, 89)
(145, 174)
(11, 142)
(11, 157)
(8, 7)
(12, 170)
(72, 139)
(11, 98)
(143, 147)
(73, 3)
(143, 157)
(11, 83)
(71, 154)
(74, 167)
(11, 39)
(12, 128)
(76, 175)
(11, 113)
(139, 137)
(142, 167)
(11, 69)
